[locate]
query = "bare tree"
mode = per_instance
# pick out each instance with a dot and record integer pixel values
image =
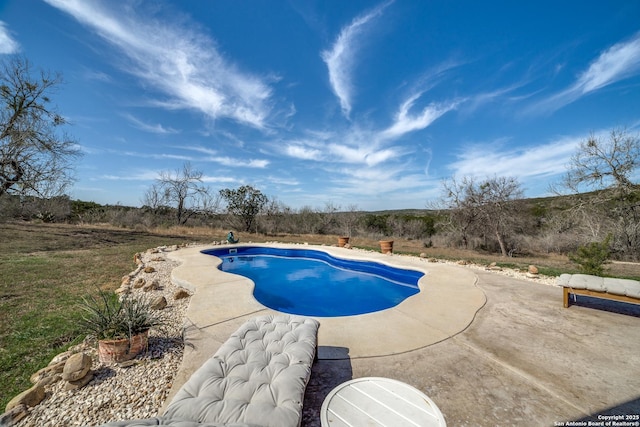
(349, 220)
(35, 157)
(487, 207)
(458, 199)
(600, 164)
(608, 167)
(274, 218)
(308, 220)
(183, 191)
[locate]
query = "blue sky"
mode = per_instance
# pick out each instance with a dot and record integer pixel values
(355, 103)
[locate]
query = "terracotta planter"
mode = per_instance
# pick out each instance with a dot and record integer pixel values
(116, 351)
(342, 241)
(386, 246)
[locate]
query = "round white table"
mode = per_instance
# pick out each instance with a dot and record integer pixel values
(378, 402)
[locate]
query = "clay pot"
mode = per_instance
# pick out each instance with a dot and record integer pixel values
(342, 241)
(386, 246)
(121, 350)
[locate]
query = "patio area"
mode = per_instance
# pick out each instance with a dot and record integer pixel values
(489, 350)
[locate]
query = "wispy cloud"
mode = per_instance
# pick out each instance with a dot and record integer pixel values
(7, 44)
(363, 187)
(303, 151)
(369, 156)
(544, 160)
(214, 157)
(366, 145)
(146, 175)
(177, 60)
(151, 175)
(97, 76)
(340, 59)
(219, 179)
(156, 128)
(406, 122)
(351, 151)
(276, 180)
(620, 61)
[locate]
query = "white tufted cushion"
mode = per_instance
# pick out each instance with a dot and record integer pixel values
(258, 376)
(160, 421)
(586, 281)
(630, 288)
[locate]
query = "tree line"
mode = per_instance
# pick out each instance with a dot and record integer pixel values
(598, 199)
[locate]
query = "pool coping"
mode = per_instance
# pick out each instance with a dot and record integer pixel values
(447, 303)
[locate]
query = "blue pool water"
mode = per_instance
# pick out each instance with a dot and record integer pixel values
(314, 283)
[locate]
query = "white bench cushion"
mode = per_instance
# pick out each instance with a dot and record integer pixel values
(586, 281)
(160, 421)
(611, 285)
(258, 376)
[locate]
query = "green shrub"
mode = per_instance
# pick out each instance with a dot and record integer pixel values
(592, 257)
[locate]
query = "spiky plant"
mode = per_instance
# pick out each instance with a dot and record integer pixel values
(111, 317)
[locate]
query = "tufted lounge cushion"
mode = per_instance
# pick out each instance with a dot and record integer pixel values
(160, 421)
(258, 376)
(630, 288)
(586, 281)
(615, 286)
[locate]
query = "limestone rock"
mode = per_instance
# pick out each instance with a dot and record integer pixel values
(157, 259)
(159, 303)
(74, 385)
(123, 290)
(128, 363)
(532, 272)
(49, 380)
(152, 286)
(126, 280)
(30, 397)
(140, 282)
(180, 294)
(463, 262)
(137, 258)
(149, 269)
(423, 255)
(12, 417)
(62, 357)
(49, 371)
(76, 367)
(494, 267)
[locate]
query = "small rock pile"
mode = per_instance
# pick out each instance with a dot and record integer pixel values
(77, 371)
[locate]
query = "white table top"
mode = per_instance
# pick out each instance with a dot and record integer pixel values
(378, 402)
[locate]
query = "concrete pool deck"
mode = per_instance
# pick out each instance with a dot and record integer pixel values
(486, 348)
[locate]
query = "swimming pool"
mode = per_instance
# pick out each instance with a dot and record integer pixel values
(315, 283)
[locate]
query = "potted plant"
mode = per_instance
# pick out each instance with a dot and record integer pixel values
(120, 324)
(343, 240)
(386, 246)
